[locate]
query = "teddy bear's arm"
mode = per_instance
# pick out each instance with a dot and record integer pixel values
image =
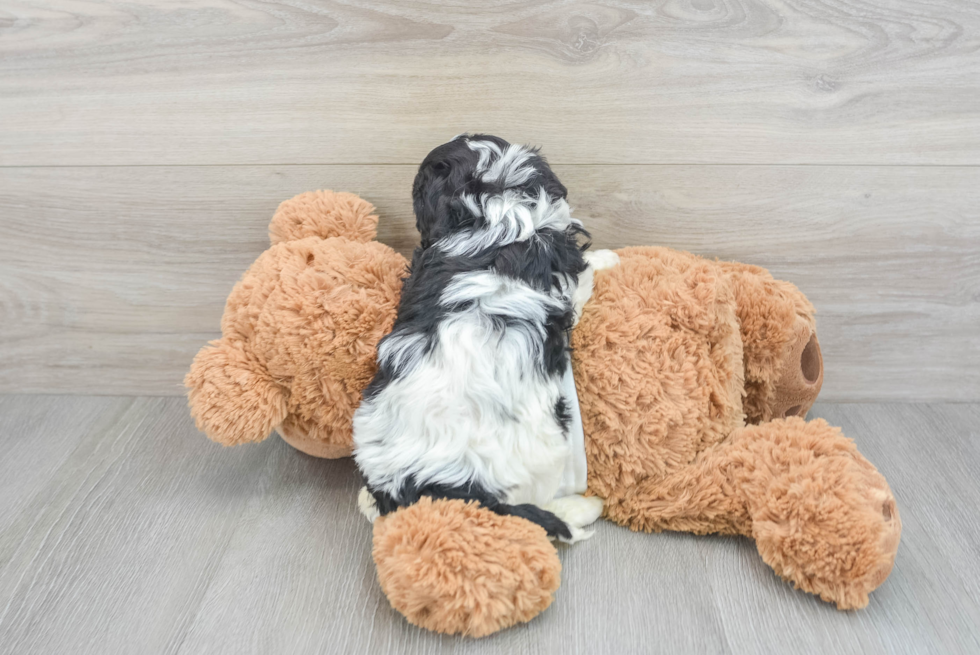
(232, 397)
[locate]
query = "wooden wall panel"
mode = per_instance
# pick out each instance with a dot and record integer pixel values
(618, 81)
(111, 278)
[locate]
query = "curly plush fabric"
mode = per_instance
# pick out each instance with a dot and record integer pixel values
(324, 214)
(776, 323)
(300, 331)
(658, 366)
(458, 568)
(821, 515)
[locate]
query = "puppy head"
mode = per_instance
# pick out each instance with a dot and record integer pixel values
(474, 166)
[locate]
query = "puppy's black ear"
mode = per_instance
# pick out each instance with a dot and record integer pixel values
(433, 216)
(443, 176)
(547, 179)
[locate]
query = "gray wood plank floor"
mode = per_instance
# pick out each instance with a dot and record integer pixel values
(123, 530)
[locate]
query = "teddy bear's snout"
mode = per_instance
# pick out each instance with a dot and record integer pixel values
(802, 374)
(811, 363)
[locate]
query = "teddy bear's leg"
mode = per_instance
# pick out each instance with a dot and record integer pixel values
(232, 397)
(455, 567)
(781, 353)
(822, 516)
(698, 498)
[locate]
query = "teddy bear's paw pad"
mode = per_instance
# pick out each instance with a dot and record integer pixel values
(457, 568)
(601, 259)
(367, 504)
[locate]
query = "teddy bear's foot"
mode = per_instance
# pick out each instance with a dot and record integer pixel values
(455, 567)
(309, 437)
(822, 516)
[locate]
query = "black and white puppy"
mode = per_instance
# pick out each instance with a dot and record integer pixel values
(471, 398)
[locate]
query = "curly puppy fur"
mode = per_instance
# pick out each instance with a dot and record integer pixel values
(468, 402)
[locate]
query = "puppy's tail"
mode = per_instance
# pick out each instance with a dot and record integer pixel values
(554, 526)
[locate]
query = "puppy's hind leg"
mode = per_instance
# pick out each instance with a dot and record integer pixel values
(577, 512)
(367, 504)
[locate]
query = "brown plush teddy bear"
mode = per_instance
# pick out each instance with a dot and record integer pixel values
(693, 379)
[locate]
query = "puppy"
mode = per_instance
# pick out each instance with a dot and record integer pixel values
(473, 397)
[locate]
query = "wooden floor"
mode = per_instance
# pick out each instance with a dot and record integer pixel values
(123, 530)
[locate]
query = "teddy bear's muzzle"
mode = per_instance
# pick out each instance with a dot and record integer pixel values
(802, 374)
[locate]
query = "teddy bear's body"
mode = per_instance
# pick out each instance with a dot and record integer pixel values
(692, 376)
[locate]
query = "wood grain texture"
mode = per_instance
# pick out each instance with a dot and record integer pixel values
(146, 538)
(616, 81)
(112, 278)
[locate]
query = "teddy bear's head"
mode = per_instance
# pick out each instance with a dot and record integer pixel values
(300, 330)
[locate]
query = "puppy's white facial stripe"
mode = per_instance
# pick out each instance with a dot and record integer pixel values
(509, 169)
(486, 150)
(505, 167)
(472, 205)
(511, 217)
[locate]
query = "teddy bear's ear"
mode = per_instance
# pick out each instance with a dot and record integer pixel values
(233, 399)
(457, 568)
(324, 214)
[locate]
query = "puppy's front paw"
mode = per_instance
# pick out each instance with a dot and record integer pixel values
(367, 504)
(601, 259)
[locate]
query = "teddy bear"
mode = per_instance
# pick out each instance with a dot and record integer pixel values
(694, 378)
